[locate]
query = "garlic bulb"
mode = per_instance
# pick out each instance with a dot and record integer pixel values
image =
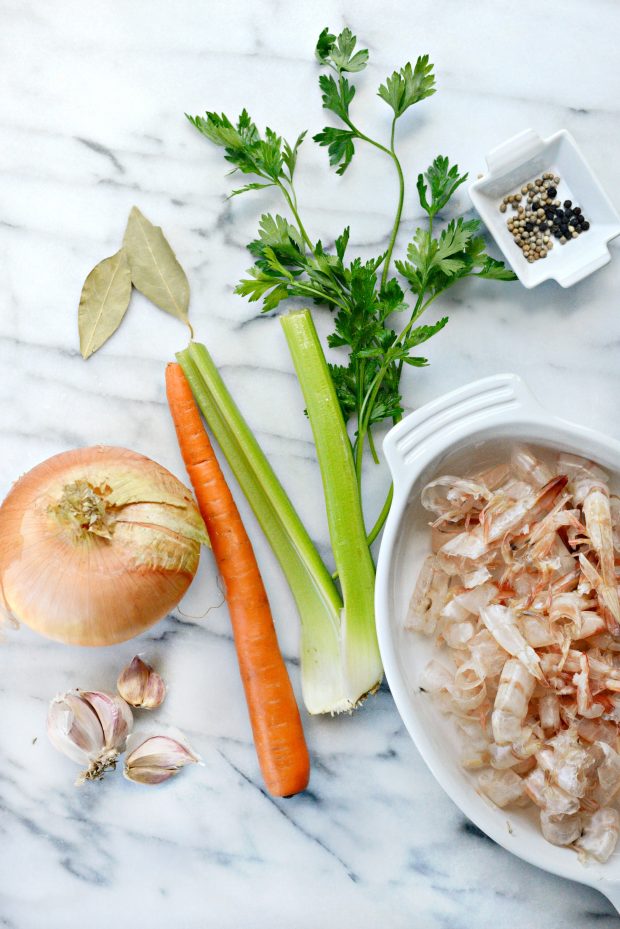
(97, 544)
(158, 759)
(91, 728)
(141, 686)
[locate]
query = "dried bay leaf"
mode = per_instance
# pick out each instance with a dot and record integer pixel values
(103, 302)
(155, 271)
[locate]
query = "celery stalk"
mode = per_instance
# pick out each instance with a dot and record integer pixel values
(318, 601)
(360, 651)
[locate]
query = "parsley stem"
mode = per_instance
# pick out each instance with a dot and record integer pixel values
(293, 208)
(366, 138)
(360, 377)
(399, 208)
(292, 202)
(371, 446)
(320, 295)
(381, 518)
(359, 452)
(401, 187)
(373, 390)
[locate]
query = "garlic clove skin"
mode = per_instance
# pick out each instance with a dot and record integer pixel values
(158, 759)
(141, 686)
(91, 728)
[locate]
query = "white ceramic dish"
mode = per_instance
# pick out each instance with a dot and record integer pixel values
(459, 432)
(522, 159)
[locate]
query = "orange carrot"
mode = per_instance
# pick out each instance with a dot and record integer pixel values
(274, 715)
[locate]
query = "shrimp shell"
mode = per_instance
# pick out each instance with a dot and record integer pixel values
(523, 597)
(529, 468)
(549, 711)
(549, 797)
(428, 598)
(504, 788)
(561, 829)
(597, 514)
(600, 834)
(516, 686)
(501, 623)
(453, 497)
(608, 773)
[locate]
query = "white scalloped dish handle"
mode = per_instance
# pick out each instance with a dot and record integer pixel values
(501, 399)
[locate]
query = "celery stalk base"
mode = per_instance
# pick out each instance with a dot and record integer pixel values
(360, 657)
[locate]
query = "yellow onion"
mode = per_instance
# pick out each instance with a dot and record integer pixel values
(97, 544)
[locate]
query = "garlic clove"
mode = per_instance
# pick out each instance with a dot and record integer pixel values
(141, 686)
(157, 759)
(114, 715)
(91, 728)
(148, 775)
(74, 728)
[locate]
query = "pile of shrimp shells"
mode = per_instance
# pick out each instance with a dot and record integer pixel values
(521, 595)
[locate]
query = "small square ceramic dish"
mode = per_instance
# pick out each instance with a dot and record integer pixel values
(464, 431)
(523, 158)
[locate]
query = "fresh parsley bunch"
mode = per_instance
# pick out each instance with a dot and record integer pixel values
(367, 302)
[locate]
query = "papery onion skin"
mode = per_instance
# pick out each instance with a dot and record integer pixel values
(79, 587)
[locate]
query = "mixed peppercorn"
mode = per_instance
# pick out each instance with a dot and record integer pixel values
(541, 217)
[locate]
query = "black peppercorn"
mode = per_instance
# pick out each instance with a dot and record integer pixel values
(577, 210)
(585, 227)
(568, 204)
(551, 192)
(529, 226)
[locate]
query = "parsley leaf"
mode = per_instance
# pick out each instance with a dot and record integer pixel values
(451, 243)
(284, 239)
(246, 187)
(409, 85)
(336, 97)
(443, 180)
(337, 93)
(345, 382)
(289, 156)
(339, 52)
(424, 333)
(248, 151)
(434, 264)
(340, 147)
(324, 46)
(494, 270)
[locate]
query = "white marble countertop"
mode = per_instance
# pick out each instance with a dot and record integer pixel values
(92, 122)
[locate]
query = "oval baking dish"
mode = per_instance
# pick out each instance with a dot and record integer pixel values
(463, 431)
